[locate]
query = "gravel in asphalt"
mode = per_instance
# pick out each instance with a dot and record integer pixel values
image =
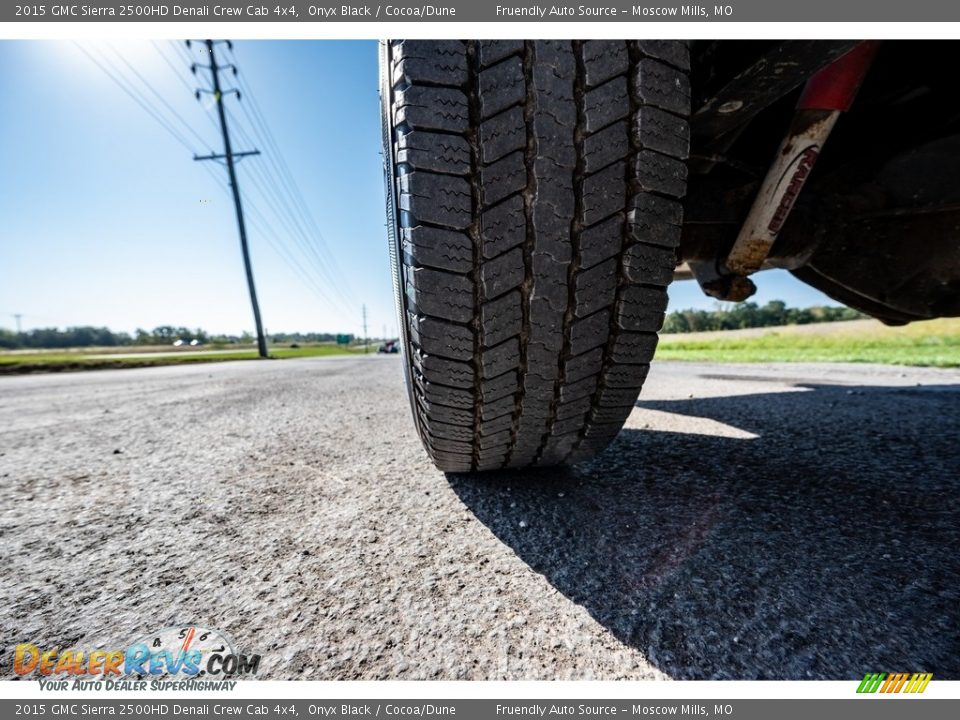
(765, 521)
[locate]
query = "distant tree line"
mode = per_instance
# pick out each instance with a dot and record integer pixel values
(743, 315)
(87, 336)
(751, 315)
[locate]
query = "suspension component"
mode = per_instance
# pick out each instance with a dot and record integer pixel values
(828, 93)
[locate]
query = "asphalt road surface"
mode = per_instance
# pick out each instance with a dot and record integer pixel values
(779, 521)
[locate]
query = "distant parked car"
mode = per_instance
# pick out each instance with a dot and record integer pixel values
(390, 347)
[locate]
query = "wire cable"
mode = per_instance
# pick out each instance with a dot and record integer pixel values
(142, 102)
(258, 121)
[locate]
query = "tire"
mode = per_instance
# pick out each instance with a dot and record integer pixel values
(533, 201)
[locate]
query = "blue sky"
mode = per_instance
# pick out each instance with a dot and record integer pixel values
(107, 220)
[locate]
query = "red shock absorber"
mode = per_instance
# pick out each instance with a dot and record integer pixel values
(828, 93)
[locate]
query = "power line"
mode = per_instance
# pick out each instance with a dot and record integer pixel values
(179, 48)
(264, 182)
(279, 205)
(286, 177)
(163, 100)
(139, 99)
(259, 222)
(326, 265)
(129, 88)
(179, 76)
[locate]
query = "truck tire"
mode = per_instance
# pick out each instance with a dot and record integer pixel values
(533, 201)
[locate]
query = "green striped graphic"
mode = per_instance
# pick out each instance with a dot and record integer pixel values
(871, 682)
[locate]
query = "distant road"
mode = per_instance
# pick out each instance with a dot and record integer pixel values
(763, 521)
(187, 350)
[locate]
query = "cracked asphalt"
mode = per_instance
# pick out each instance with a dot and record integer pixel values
(762, 521)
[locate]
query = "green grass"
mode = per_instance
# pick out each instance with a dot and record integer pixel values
(59, 360)
(934, 343)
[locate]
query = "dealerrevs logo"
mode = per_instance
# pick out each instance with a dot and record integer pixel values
(184, 652)
(887, 683)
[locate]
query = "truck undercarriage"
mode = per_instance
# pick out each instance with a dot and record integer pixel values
(876, 225)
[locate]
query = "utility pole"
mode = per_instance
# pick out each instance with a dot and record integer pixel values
(17, 317)
(365, 330)
(230, 156)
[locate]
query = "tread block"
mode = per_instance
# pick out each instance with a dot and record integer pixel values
(552, 215)
(625, 376)
(458, 447)
(601, 241)
(634, 348)
(493, 51)
(549, 284)
(443, 413)
(582, 365)
(608, 145)
(502, 273)
(659, 85)
(546, 322)
(452, 463)
(661, 173)
(429, 108)
(665, 133)
(497, 360)
(501, 86)
(613, 397)
(496, 408)
(499, 439)
(442, 294)
(650, 264)
(543, 368)
(494, 463)
(603, 59)
(504, 422)
(496, 387)
(505, 177)
(581, 388)
(436, 337)
(604, 193)
(438, 248)
(595, 288)
(452, 372)
(451, 432)
(590, 332)
(435, 152)
(574, 408)
(672, 52)
(641, 308)
(443, 395)
(606, 104)
(502, 227)
(572, 424)
(501, 318)
(438, 199)
(613, 414)
(655, 220)
(443, 62)
(502, 134)
(601, 433)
